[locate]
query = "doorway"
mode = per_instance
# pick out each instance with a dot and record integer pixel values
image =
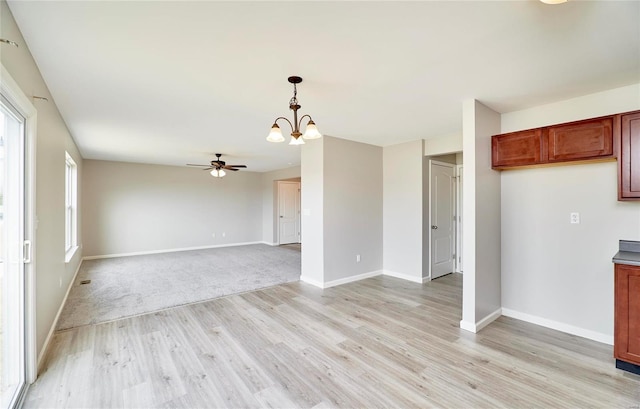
(442, 218)
(15, 251)
(17, 321)
(289, 221)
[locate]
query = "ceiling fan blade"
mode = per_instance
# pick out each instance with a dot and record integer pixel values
(238, 166)
(191, 164)
(208, 168)
(230, 168)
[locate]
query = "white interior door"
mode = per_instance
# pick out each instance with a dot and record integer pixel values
(442, 220)
(289, 212)
(12, 255)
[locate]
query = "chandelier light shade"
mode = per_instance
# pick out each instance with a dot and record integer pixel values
(276, 134)
(298, 141)
(311, 130)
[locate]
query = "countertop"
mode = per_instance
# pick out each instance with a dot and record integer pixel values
(627, 257)
(629, 253)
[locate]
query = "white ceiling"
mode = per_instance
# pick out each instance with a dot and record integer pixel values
(172, 82)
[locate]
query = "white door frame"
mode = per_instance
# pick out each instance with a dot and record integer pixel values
(455, 207)
(276, 212)
(12, 92)
(458, 206)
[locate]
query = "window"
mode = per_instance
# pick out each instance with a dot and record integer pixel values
(71, 207)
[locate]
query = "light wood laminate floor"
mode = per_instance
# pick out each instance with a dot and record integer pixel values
(380, 342)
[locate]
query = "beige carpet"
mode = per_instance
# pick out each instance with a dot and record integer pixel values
(127, 286)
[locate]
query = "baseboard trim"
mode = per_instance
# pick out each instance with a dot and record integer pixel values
(269, 244)
(143, 253)
(407, 277)
(313, 282)
(47, 341)
(476, 327)
(351, 279)
(341, 281)
(488, 319)
(559, 326)
(468, 326)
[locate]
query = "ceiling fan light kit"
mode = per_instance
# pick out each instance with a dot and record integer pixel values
(311, 130)
(218, 173)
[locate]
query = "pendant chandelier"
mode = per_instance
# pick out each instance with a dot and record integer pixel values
(311, 131)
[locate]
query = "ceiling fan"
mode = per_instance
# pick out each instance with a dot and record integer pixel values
(217, 167)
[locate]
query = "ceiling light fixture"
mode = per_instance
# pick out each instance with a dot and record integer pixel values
(311, 132)
(218, 173)
(553, 1)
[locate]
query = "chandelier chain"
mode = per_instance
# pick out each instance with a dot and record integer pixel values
(294, 100)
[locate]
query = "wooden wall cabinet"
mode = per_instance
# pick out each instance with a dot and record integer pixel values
(587, 140)
(626, 346)
(516, 148)
(597, 139)
(580, 140)
(629, 158)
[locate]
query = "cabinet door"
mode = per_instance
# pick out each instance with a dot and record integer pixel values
(629, 160)
(626, 344)
(580, 140)
(516, 149)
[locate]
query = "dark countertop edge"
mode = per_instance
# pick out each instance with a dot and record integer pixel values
(627, 257)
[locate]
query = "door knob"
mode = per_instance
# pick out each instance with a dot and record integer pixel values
(434, 227)
(281, 217)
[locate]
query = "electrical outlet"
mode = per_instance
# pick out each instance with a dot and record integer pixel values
(575, 218)
(60, 280)
(213, 235)
(357, 258)
(224, 234)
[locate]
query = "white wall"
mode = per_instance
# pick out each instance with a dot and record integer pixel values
(481, 215)
(341, 211)
(312, 174)
(130, 208)
(352, 208)
(487, 221)
(441, 145)
(270, 200)
(556, 273)
(403, 210)
(609, 102)
(53, 138)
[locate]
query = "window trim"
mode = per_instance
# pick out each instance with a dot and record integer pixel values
(70, 208)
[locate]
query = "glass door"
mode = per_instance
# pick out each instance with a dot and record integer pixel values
(12, 254)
